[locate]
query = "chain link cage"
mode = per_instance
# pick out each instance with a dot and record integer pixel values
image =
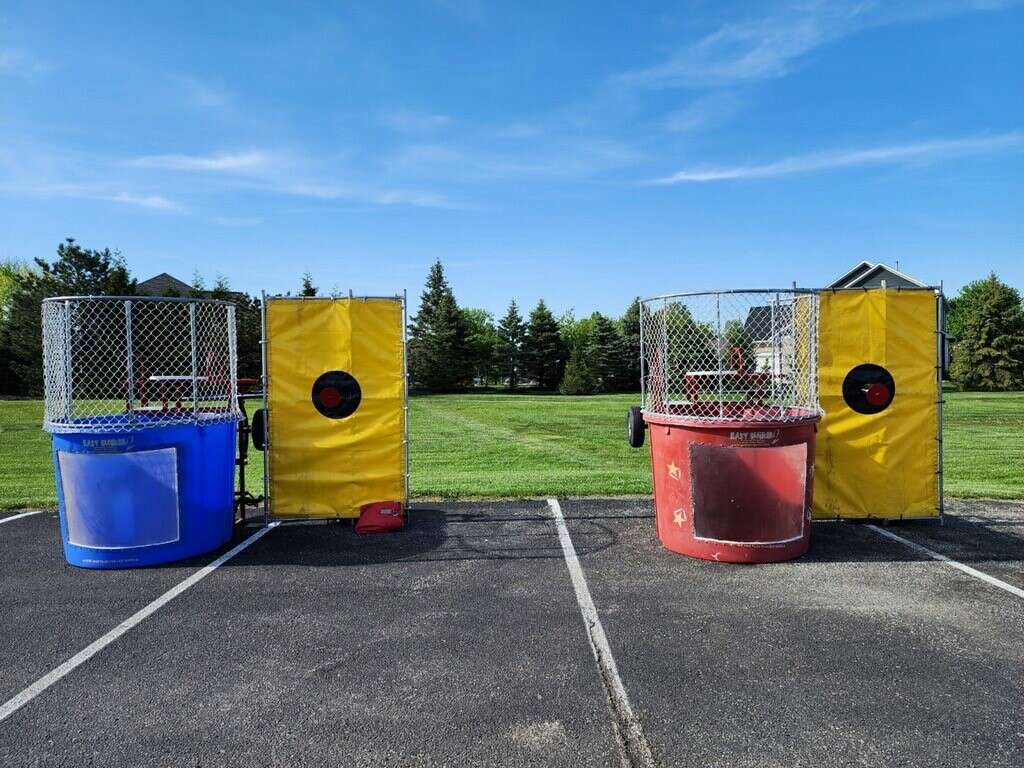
(118, 364)
(730, 356)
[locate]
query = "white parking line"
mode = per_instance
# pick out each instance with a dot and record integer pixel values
(17, 517)
(950, 562)
(633, 746)
(13, 705)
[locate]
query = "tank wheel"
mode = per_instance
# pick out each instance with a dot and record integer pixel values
(257, 429)
(635, 427)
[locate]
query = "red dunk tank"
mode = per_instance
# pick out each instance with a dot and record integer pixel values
(730, 402)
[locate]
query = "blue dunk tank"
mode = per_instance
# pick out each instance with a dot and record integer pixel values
(142, 406)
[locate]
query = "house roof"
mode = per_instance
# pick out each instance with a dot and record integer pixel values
(867, 275)
(162, 285)
(758, 325)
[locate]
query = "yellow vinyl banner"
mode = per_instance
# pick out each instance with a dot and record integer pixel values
(336, 405)
(878, 442)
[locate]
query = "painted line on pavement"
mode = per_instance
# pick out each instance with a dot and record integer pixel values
(950, 561)
(634, 749)
(12, 705)
(23, 514)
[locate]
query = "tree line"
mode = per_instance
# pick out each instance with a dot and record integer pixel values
(453, 348)
(79, 271)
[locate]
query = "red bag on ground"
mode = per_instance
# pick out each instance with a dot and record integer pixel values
(380, 517)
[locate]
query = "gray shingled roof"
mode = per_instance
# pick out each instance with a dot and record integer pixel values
(163, 284)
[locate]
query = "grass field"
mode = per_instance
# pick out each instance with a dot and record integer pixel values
(523, 445)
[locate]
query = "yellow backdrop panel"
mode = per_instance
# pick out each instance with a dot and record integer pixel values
(884, 464)
(323, 467)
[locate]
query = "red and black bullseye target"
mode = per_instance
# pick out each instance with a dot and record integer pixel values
(868, 388)
(336, 394)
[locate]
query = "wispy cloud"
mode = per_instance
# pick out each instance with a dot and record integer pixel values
(556, 157)
(935, 150)
(14, 61)
(408, 121)
(219, 162)
(202, 94)
(237, 221)
(363, 193)
(756, 49)
(88, 192)
(702, 112)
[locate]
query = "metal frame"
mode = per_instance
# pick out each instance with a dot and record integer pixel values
(161, 299)
(940, 334)
(267, 432)
(940, 353)
(784, 405)
(58, 330)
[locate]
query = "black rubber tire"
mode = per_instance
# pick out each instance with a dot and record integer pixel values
(635, 427)
(257, 429)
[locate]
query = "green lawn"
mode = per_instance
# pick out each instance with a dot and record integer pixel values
(524, 445)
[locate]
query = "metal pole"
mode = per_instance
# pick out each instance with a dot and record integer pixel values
(195, 366)
(266, 411)
(776, 362)
(718, 344)
(643, 376)
(665, 362)
(940, 399)
(793, 344)
(232, 362)
(68, 368)
(128, 361)
(405, 395)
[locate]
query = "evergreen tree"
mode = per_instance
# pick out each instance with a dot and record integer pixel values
(990, 353)
(77, 271)
(221, 288)
(543, 350)
(248, 331)
(198, 289)
(962, 306)
(439, 359)
(482, 342)
(609, 355)
(510, 345)
(81, 271)
(308, 289)
(579, 378)
(631, 336)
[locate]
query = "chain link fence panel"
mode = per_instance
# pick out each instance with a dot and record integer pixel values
(733, 356)
(113, 364)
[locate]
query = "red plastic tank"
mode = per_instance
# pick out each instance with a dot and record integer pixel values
(736, 490)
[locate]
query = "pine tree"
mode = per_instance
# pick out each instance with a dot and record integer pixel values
(543, 350)
(198, 288)
(631, 335)
(609, 355)
(510, 345)
(308, 289)
(77, 271)
(579, 378)
(221, 288)
(990, 353)
(439, 359)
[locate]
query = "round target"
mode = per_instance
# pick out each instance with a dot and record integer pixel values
(336, 394)
(868, 388)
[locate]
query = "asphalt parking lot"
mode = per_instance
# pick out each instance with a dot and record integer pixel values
(464, 640)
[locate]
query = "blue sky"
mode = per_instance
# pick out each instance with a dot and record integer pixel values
(583, 153)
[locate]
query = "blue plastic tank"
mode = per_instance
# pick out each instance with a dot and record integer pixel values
(142, 406)
(146, 497)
